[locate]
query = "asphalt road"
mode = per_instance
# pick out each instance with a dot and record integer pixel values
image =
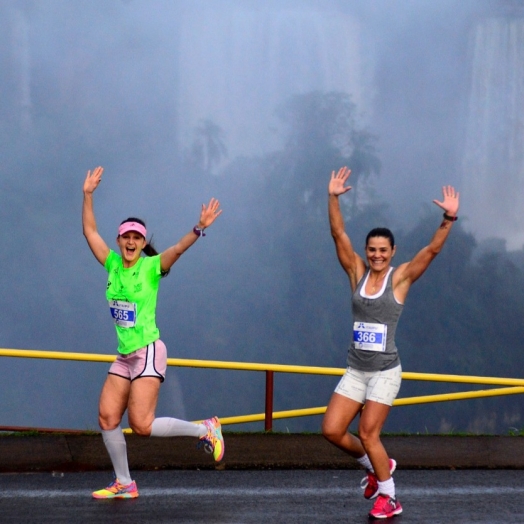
(244, 497)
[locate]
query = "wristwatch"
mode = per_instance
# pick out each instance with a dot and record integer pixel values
(199, 232)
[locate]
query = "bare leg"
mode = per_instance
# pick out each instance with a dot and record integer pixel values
(371, 422)
(143, 398)
(113, 401)
(341, 411)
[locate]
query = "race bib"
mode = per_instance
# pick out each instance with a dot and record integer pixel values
(369, 336)
(123, 313)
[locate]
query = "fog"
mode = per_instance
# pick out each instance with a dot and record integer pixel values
(182, 101)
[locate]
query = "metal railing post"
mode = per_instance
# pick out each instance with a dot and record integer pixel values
(268, 421)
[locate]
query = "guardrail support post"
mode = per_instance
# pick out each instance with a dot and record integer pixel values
(268, 423)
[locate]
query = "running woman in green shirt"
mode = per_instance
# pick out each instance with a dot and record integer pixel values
(134, 378)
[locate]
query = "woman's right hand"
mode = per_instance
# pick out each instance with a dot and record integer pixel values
(336, 184)
(93, 179)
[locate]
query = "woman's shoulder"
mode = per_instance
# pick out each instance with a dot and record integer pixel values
(112, 259)
(150, 260)
(152, 264)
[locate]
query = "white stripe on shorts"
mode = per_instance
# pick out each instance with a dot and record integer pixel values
(149, 368)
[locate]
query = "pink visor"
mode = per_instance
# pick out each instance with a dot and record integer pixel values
(132, 226)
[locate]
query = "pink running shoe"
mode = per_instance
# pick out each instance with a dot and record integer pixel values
(370, 482)
(385, 507)
(213, 440)
(115, 490)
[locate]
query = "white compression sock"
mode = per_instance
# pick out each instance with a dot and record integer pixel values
(116, 447)
(387, 487)
(366, 463)
(173, 427)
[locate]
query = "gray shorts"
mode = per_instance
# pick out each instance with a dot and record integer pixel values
(378, 386)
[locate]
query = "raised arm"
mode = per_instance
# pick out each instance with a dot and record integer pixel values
(409, 272)
(352, 264)
(94, 240)
(208, 215)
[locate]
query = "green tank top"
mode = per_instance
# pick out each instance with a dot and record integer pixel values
(132, 295)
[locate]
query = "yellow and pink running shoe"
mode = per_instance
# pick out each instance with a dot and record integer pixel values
(213, 440)
(115, 490)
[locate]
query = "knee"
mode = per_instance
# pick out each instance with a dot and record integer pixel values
(332, 433)
(107, 423)
(140, 427)
(140, 430)
(368, 437)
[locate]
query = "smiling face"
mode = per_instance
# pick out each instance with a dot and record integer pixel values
(379, 253)
(131, 244)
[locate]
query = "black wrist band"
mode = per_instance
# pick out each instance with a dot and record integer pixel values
(451, 219)
(199, 232)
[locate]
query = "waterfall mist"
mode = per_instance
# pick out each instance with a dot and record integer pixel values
(254, 104)
(494, 154)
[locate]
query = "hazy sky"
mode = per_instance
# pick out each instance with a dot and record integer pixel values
(123, 84)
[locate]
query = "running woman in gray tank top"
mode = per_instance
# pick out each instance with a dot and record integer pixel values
(373, 376)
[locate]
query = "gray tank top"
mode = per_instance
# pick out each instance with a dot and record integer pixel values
(379, 309)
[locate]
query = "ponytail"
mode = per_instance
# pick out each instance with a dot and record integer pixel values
(150, 251)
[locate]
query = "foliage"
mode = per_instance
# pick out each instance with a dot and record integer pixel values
(462, 316)
(208, 148)
(322, 135)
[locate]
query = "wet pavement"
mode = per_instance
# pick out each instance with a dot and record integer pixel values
(284, 496)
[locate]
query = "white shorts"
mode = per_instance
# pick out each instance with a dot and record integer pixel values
(378, 386)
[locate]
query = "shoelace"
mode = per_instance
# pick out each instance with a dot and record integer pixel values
(364, 482)
(387, 503)
(206, 443)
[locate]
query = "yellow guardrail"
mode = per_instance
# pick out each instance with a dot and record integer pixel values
(293, 413)
(513, 385)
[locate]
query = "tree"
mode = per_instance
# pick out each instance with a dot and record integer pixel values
(323, 134)
(208, 148)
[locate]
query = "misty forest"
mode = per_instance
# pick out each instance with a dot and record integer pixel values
(256, 106)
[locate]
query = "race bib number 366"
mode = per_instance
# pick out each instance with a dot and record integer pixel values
(369, 336)
(123, 313)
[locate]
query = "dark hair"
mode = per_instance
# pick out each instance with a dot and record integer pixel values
(381, 232)
(149, 249)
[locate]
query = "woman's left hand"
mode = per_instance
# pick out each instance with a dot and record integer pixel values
(450, 204)
(209, 213)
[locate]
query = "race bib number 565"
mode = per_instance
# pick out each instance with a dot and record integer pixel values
(370, 336)
(123, 313)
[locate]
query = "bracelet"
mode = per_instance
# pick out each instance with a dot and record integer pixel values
(451, 219)
(199, 232)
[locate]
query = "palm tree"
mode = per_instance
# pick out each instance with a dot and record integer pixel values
(209, 143)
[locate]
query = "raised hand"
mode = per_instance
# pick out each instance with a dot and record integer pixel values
(209, 213)
(450, 203)
(336, 184)
(93, 179)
